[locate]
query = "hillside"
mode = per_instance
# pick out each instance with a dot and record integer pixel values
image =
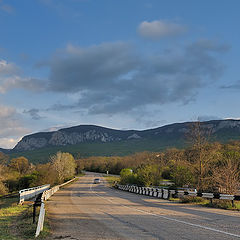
(90, 140)
(5, 150)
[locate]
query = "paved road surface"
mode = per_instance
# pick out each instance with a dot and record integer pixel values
(84, 210)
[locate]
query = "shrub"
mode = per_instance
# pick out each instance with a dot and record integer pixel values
(127, 176)
(190, 199)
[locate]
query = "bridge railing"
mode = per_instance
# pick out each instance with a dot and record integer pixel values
(46, 195)
(166, 193)
(31, 193)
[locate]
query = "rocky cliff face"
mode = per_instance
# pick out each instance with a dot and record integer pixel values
(63, 138)
(89, 133)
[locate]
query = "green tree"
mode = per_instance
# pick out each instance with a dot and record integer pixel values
(181, 175)
(149, 175)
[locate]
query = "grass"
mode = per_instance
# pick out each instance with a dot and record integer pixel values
(112, 179)
(16, 221)
(216, 203)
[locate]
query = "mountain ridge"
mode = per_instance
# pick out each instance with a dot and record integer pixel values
(78, 141)
(93, 133)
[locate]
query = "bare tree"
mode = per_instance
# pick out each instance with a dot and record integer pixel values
(227, 176)
(200, 157)
(64, 165)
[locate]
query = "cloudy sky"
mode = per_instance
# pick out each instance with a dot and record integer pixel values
(123, 64)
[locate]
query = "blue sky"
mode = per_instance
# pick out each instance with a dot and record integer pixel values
(123, 64)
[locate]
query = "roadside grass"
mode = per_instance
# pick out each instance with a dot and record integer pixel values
(16, 221)
(216, 203)
(112, 179)
(224, 204)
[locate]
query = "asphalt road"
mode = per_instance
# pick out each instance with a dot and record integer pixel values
(84, 210)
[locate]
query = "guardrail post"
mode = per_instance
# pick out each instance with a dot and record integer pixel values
(34, 212)
(40, 220)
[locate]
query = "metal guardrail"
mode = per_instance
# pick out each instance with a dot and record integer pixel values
(40, 220)
(30, 193)
(166, 194)
(46, 195)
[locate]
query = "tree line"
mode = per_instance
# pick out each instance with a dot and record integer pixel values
(19, 173)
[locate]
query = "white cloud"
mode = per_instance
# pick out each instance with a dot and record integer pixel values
(10, 78)
(11, 127)
(159, 29)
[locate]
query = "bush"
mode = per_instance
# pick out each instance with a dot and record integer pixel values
(190, 199)
(148, 175)
(28, 181)
(224, 204)
(127, 176)
(181, 175)
(12, 184)
(166, 174)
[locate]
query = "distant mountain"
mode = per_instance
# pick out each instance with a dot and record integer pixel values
(89, 140)
(5, 150)
(92, 133)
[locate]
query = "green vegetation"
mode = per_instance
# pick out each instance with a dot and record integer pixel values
(224, 204)
(215, 203)
(84, 150)
(112, 179)
(16, 221)
(197, 200)
(19, 173)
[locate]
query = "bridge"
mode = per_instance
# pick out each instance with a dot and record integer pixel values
(84, 210)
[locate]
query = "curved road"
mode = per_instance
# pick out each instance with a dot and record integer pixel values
(84, 210)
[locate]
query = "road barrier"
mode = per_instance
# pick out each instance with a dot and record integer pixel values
(31, 193)
(166, 193)
(40, 219)
(35, 194)
(46, 195)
